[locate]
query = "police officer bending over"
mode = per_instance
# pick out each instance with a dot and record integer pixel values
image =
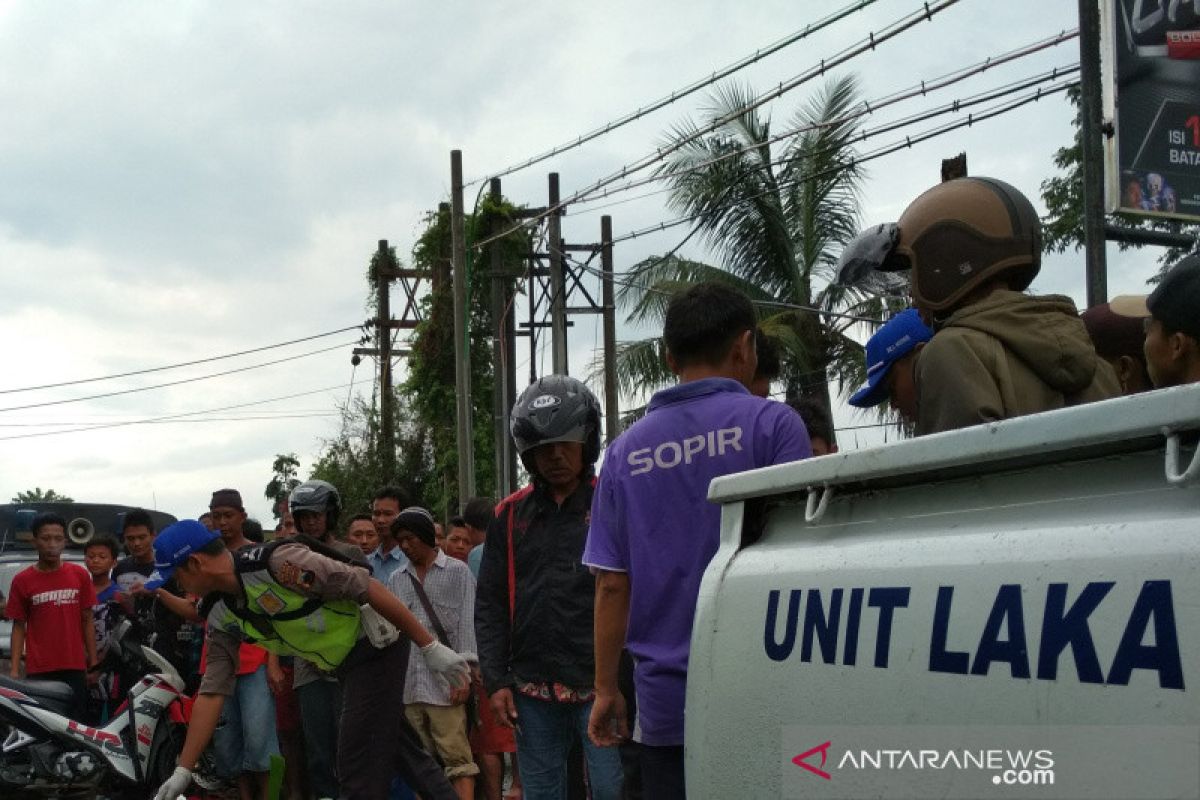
(293, 600)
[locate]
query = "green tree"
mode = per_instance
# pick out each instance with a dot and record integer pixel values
(352, 461)
(777, 215)
(1062, 227)
(283, 479)
(38, 496)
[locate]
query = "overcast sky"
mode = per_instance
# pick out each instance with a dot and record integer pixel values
(184, 180)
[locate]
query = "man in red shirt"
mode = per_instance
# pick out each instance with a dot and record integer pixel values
(50, 606)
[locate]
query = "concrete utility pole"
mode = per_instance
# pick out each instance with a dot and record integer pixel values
(612, 410)
(558, 287)
(462, 345)
(1093, 152)
(383, 327)
(502, 356)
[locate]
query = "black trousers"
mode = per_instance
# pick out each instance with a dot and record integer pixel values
(375, 741)
(320, 707)
(662, 772)
(77, 680)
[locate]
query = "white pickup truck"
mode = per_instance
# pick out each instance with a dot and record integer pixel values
(1010, 610)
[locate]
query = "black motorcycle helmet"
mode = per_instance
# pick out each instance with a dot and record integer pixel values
(556, 408)
(319, 496)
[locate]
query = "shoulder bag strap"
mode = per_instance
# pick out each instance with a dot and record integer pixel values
(428, 606)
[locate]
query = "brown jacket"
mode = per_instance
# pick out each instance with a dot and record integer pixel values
(1008, 355)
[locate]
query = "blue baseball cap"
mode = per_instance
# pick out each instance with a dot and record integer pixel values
(896, 339)
(173, 546)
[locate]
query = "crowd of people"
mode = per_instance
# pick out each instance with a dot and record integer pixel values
(546, 636)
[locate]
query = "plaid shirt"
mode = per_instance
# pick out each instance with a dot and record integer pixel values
(451, 589)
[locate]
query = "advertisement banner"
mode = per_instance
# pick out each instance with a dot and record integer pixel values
(1152, 95)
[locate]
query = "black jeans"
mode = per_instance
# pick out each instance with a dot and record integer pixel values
(77, 680)
(662, 772)
(375, 741)
(320, 707)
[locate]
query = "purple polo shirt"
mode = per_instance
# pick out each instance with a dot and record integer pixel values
(651, 518)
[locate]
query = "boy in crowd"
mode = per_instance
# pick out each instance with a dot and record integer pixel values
(458, 540)
(387, 557)
(534, 604)
(1172, 314)
(246, 739)
(99, 556)
(817, 422)
(361, 533)
(50, 605)
(891, 360)
(648, 563)
(440, 591)
(1119, 340)
(477, 514)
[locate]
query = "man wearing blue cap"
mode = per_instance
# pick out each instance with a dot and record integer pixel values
(293, 600)
(891, 356)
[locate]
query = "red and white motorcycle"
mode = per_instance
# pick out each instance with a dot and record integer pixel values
(47, 754)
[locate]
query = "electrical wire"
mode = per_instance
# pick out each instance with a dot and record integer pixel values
(182, 363)
(897, 146)
(679, 94)
(174, 383)
(873, 40)
(309, 415)
(868, 107)
(148, 420)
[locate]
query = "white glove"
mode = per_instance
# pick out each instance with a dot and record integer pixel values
(176, 785)
(447, 664)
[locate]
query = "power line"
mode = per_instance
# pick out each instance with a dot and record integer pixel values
(899, 145)
(181, 364)
(148, 420)
(306, 415)
(873, 40)
(679, 94)
(868, 107)
(174, 383)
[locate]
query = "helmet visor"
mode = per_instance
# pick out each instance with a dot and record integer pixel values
(868, 252)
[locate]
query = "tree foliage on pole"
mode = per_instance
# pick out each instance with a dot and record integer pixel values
(429, 389)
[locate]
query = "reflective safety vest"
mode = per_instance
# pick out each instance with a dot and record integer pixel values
(283, 620)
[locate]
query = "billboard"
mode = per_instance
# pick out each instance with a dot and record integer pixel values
(1152, 96)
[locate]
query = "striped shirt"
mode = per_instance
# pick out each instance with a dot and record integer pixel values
(451, 589)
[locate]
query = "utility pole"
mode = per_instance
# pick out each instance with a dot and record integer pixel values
(462, 344)
(383, 328)
(612, 411)
(558, 288)
(502, 356)
(1093, 152)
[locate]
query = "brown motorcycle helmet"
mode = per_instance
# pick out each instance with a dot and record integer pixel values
(963, 233)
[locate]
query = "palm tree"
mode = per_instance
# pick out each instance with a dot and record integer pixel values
(777, 221)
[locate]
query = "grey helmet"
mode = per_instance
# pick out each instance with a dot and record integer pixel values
(319, 496)
(557, 408)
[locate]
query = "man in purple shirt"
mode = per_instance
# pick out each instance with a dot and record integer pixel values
(653, 530)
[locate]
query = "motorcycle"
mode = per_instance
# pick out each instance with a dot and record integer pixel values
(47, 754)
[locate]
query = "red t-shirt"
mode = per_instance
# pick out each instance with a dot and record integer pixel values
(52, 604)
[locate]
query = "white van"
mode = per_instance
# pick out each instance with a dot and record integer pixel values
(1010, 610)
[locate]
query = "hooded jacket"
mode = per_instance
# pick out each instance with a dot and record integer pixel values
(1008, 355)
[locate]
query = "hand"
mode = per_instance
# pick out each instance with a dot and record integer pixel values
(139, 590)
(460, 695)
(276, 678)
(174, 786)
(447, 664)
(504, 708)
(609, 723)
